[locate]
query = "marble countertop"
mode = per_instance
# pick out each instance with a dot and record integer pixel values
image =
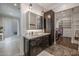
(30, 37)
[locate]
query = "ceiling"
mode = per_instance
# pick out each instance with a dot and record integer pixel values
(10, 9)
(56, 7)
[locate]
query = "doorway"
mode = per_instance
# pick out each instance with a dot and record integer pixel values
(10, 24)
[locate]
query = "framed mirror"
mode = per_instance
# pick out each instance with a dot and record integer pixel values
(34, 21)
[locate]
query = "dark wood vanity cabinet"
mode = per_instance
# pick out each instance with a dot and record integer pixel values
(34, 46)
(49, 25)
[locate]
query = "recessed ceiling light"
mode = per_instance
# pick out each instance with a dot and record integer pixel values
(15, 4)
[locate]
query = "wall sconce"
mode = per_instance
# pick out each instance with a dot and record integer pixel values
(30, 6)
(15, 4)
(49, 17)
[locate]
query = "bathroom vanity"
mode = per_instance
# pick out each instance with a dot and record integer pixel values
(34, 44)
(39, 33)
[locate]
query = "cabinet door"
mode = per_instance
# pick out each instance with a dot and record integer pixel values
(35, 46)
(47, 21)
(44, 42)
(48, 25)
(35, 42)
(26, 46)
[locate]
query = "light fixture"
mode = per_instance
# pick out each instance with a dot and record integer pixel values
(49, 16)
(15, 4)
(30, 6)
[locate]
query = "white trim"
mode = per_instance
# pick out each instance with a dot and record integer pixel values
(18, 28)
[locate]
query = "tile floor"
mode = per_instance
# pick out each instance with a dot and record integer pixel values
(10, 46)
(59, 50)
(44, 53)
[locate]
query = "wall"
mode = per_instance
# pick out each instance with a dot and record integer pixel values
(64, 16)
(64, 6)
(10, 26)
(67, 33)
(9, 9)
(73, 16)
(9, 13)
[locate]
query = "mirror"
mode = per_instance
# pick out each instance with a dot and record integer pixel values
(34, 21)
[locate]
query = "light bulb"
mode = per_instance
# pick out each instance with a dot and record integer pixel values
(15, 4)
(49, 16)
